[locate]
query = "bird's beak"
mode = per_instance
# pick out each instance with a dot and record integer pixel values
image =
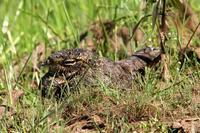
(45, 63)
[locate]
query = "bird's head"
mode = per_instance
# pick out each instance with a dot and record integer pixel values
(70, 61)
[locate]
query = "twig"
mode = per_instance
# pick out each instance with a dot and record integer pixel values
(184, 49)
(192, 36)
(163, 29)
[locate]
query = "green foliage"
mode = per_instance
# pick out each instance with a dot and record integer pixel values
(58, 24)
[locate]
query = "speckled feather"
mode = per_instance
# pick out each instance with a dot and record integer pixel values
(71, 65)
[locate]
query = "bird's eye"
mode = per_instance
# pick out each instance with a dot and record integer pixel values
(149, 49)
(152, 49)
(69, 62)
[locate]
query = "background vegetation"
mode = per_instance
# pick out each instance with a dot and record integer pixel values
(58, 24)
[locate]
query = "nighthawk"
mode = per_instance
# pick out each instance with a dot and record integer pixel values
(72, 67)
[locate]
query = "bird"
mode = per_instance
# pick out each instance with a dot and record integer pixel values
(69, 68)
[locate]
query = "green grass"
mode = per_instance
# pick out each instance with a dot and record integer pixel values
(58, 24)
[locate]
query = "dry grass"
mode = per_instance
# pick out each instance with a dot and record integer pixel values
(150, 106)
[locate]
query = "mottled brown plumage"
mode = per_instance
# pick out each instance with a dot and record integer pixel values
(70, 67)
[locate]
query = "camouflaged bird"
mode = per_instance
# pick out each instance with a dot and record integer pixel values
(72, 67)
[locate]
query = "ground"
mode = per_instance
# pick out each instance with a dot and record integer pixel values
(31, 30)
